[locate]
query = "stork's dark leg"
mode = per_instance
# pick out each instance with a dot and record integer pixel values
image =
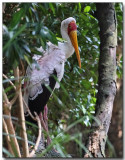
(44, 123)
(45, 115)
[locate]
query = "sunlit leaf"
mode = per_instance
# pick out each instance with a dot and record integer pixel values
(87, 9)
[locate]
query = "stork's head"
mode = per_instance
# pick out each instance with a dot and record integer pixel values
(70, 28)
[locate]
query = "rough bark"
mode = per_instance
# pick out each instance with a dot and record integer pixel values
(106, 81)
(115, 134)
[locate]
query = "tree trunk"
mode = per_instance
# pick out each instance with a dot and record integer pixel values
(116, 129)
(107, 80)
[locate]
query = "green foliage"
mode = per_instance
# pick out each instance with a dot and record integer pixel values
(23, 32)
(31, 25)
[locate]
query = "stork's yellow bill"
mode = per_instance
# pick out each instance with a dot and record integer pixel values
(72, 32)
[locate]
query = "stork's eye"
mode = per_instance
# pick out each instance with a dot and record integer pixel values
(70, 26)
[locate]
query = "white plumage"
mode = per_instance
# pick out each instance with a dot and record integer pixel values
(47, 64)
(53, 59)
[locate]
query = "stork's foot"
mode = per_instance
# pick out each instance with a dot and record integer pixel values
(44, 123)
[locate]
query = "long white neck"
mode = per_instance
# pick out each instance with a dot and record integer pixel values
(67, 46)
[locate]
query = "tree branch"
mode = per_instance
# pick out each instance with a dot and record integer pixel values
(9, 81)
(6, 100)
(7, 111)
(22, 122)
(11, 130)
(7, 137)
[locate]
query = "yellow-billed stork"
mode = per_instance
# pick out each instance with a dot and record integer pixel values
(36, 94)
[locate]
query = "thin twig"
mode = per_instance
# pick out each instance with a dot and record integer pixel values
(4, 6)
(14, 99)
(9, 81)
(28, 110)
(39, 136)
(5, 96)
(16, 96)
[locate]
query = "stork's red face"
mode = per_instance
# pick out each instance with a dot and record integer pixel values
(72, 32)
(72, 27)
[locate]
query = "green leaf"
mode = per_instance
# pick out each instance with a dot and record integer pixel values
(60, 39)
(18, 51)
(86, 84)
(28, 59)
(35, 13)
(16, 18)
(7, 152)
(34, 51)
(79, 4)
(83, 109)
(46, 34)
(52, 7)
(87, 9)
(90, 15)
(27, 48)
